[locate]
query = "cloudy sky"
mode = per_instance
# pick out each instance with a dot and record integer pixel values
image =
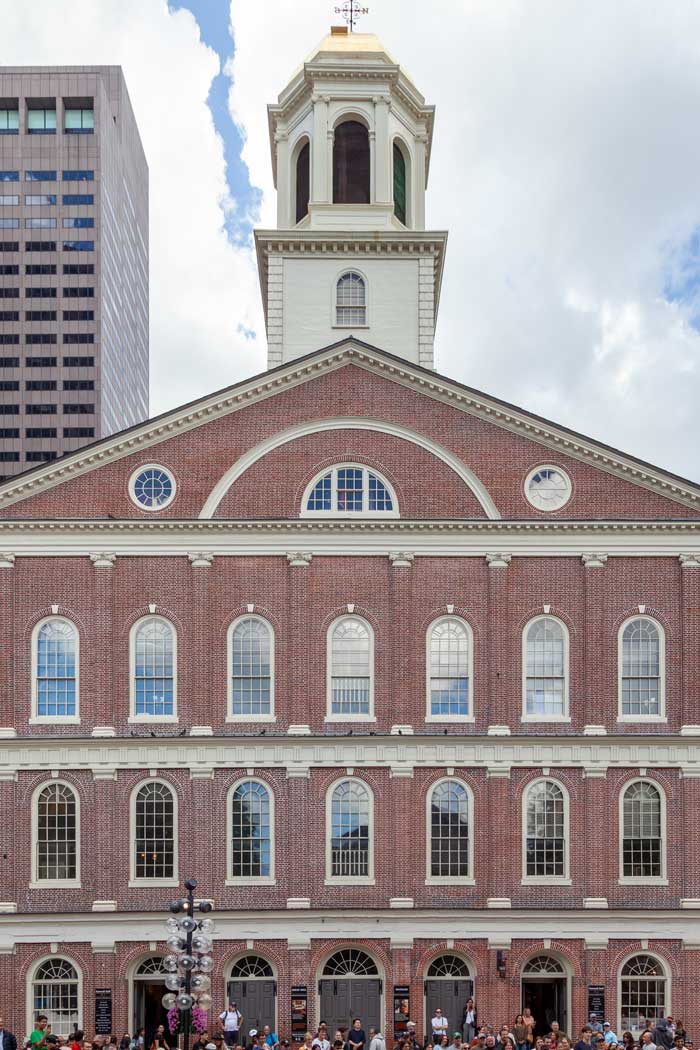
(566, 166)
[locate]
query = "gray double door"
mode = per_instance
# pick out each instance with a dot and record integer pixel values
(256, 1001)
(451, 996)
(342, 999)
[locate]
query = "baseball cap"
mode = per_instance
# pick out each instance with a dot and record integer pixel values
(252, 1033)
(210, 1046)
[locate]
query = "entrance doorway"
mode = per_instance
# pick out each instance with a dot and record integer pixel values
(253, 988)
(350, 987)
(448, 985)
(148, 989)
(545, 990)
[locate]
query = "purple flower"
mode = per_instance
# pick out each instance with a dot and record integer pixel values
(173, 1020)
(199, 1019)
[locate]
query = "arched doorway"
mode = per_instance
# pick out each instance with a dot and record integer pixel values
(251, 985)
(147, 991)
(350, 986)
(448, 984)
(545, 989)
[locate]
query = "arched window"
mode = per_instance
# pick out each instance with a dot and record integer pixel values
(302, 181)
(251, 663)
(643, 992)
(641, 662)
(448, 965)
(400, 185)
(350, 962)
(154, 821)
(351, 165)
(350, 669)
(55, 991)
(55, 665)
(153, 662)
(251, 832)
(251, 967)
(347, 490)
(545, 832)
(151, 967)
(350, 853)
(546, 670)
(449, 670)
(56, 834)
(449, 840)
(543, 966)
(350, 301)
(642, 813)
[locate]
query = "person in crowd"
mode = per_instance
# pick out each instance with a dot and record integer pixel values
(139, 1040)
(8, 1040)
(160, 1040)
(76, 1039)
(231, 1021)
(42, 1029)
(356, 1036)
(609, 1036)
(530, 1021)
(584, 1042)
(680, 1032)
(555, 1035)
(469, 1021)
(594, 1024)
(410, 1041)
(271, 1038)
(456, 1043)
(125, 1041)
(376, 1040)
(308, 1039)
(663, 1034)
(520, 1032)
(201, 1041)
(439, 1025)
(647, 1040)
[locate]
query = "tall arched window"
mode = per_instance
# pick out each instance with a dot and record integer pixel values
(643, 852)
(545, 820)
(154, 820)
(251, 669)
(303, 168)
(400, 185)
(545, 669)
(153, 662)
(350, 669)
(641, 663)
(449, 670)
(449, 841)
(351, 165)
(350, 850)
(350, 301)
(56, 834)
(251, 832)
(55, 670)
(55, 991)
(643, 992)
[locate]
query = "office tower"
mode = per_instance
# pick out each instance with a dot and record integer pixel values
(73, 262)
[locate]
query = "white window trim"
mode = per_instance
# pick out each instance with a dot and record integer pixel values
(661, 716)
(448, 719)
(408, 161)
(449, 880)
(132, 484)
(261, 880)
(630, 880)
(545, 880)
(348, 880)
(667, 978)
(135, 719)
(349, 514)
(31, 973)
(334, 294)
(566, 715)
(40, 884)
(173, 880)
(536, 470)
(37, 719)
(330, 716)
(303, 139)
(230, 716)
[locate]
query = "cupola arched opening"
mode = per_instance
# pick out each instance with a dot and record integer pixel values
(400, 171)
(351, 164)
(302, 181)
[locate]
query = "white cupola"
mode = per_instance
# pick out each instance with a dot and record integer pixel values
(350, 138)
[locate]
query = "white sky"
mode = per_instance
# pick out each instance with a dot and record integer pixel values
(566, 166)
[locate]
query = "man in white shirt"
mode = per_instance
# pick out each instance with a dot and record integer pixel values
(439, 1025)
(231, 1022)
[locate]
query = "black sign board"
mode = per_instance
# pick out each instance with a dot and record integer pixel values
(596, 1001)
(402, 1009)
(103, 1011)
(300, 1012)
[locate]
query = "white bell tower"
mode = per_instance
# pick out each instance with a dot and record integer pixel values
(350, 138)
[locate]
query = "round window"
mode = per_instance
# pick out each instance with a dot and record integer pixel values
(152, 487)
(548, 488)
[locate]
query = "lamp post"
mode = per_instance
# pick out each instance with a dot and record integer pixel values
(189, 963)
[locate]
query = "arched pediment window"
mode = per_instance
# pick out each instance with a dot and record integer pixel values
(349, 490)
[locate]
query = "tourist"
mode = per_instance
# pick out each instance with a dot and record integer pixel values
(159, 1041)
(356, 1036)
(439, 1025)
(271, 1038)
(8, 1040)
(468, 1021)
(647, 1040)
(376, 1040)
(663, 1034)
(456, 1043)
(231, 1021)
(530, 1022)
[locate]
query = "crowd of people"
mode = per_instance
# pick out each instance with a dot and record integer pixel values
(228, 1034)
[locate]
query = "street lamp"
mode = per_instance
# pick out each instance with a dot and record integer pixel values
(189, 963)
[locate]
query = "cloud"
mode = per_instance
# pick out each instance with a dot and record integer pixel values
(567, 169)
(204, 292)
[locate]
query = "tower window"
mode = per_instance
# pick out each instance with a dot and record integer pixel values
(399, 184)
(302, 202)
(350, 301)
(351, 163)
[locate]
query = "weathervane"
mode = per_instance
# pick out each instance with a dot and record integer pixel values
(351, 11)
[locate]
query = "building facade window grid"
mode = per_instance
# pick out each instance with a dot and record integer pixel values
(251, 668)
(545, 842)
(55, 993)
(154, 668)
(56, 834)
(449, 831)
(351, 301)
(545, 668)
(56, 670)
(449, 660)
(641, 668)
(642, 992)
(350, 831)
(349, 489)
(251, 842)
(351, 670)
(641, 832)
(154, 838)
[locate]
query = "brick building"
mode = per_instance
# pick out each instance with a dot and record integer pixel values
(407, 677)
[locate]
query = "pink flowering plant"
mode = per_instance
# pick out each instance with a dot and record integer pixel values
(198, 1024)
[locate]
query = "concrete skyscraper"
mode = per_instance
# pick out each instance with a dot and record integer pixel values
(73, 262)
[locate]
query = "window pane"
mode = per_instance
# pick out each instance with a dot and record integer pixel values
(252, 675)
(56, 669)
(251, 831)
(154, 690)
(449, 831)
(350, 668)
(155, 833)
(545, 661)
(641, 843)
(449, 669)
(320, 498)
(350, 830)
(643, 988)
(56, 847)
(545, 830)
(350, 300)
(55, 994)
(641, 661)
